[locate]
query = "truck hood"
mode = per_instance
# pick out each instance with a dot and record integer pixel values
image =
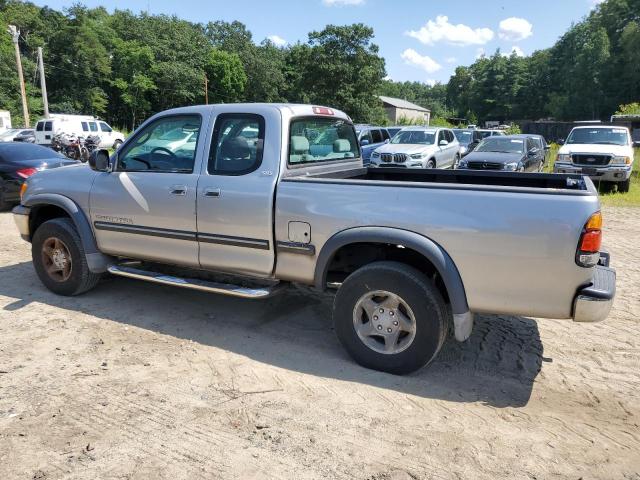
(407, 148)
(495, 157)
(620, 150)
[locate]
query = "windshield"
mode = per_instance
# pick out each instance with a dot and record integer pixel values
(416, 137)
(604, 136)
(465, 137)
(501, 145)
(320, 139)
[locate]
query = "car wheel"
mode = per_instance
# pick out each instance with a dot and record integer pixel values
(117, 144)
(431, 163)
(59, 258)
(390, 317)
(456, 162)
(3, 205)
(623, 187)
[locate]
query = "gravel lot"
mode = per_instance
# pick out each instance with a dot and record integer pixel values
(141, 381)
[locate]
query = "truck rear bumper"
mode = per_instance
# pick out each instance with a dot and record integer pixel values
(21, 217)
(593, 303)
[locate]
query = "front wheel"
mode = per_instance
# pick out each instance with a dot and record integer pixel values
(431, 163)
(623, 187)
(390, 317)
(456, 162)
(59, 258)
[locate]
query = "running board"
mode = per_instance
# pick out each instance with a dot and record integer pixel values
(195, 284)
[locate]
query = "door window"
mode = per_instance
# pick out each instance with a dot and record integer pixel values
(39, 126)
(366, 135)
(385, 135)
(166, 145)
(530, 144)
(377, 136)
(105, 128)
(85, 126)
(237, 144)
(48, 126)
(93, 126)
(449, 136)
(441, 136)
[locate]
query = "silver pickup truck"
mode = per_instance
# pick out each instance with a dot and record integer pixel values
(245, 199)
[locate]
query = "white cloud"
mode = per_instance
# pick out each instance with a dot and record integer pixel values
(430, 81)
(451, 60)
(515, 49)
(443, 31)
(277, 40)
(428, 64)
(341, 3)
(515, 29)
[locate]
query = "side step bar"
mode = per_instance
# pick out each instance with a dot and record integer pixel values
(195, 284)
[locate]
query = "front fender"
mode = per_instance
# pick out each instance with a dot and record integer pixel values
(433, 252)
(97, 261)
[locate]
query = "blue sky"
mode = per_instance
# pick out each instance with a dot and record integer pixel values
(421, 40)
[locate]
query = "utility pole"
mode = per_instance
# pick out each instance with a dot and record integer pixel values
(43, 84)
(206, 90)
(15, 36)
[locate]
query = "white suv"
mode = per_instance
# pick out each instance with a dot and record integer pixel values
(604, 153)
(419, 147)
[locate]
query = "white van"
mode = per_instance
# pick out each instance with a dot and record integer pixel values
(80, 125)
(5, 120)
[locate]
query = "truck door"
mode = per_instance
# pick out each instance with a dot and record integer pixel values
(145, 208)
(236, 193)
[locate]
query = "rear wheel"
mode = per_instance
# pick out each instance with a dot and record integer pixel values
(390, 317)
(59, 258)
(623, 187)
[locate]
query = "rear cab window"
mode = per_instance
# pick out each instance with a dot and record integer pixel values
(39, 126)
(321, 139)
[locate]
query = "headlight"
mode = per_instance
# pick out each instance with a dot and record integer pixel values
(417, 155)
(375, 155)
(463, 150)
(563, 157)
(513, 166)
(622, 160)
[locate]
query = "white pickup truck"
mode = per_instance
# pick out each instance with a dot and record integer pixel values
(604, 153)
(266, 195)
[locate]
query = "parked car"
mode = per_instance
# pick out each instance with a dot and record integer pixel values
(486, 132)
(514, 153)
(419, 147)
(410, 253)
(18, 161)
(78, 125)
(9, 134)
(28, 135)
(604, 153)
(468, 138)
(370, 138)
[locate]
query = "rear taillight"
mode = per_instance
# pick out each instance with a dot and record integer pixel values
(588, 253)
(26, 172)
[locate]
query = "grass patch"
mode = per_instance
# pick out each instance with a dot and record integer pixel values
(612, 197)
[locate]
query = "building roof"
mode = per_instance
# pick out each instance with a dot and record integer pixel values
(399, 103)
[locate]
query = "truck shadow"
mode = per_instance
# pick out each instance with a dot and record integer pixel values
(496, 366)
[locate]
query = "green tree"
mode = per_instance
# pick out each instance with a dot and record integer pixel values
(227, 79)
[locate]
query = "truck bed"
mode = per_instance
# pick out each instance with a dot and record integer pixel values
(549, 182)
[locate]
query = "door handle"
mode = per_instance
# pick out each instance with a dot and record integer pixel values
(180, 190)
(212, 192)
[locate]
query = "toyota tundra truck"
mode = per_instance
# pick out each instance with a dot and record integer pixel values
(604, 153)
(263, 196)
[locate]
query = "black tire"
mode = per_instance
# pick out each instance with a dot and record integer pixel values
(431, 163)
(81, 279)
(623, 187)
(417, 291)
(456, 161)
(3, 205)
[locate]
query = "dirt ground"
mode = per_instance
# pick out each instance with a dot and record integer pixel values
(140, 381)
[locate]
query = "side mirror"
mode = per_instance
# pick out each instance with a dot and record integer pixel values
(387, 141)
(364, 142)
(561, 141)
(99, 160)
(443, 143)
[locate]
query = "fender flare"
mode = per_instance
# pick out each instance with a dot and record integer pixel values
(96, 260)
(433, 252)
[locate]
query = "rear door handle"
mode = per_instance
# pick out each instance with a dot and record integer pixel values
(179, 190)
(212, 192)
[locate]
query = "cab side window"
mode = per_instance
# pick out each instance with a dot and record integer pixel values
(93, 126)
(385, 135)
(377, 136)
(166, 145)
(237, 144)
(104, 127)
(39, 126)
(441, 136)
